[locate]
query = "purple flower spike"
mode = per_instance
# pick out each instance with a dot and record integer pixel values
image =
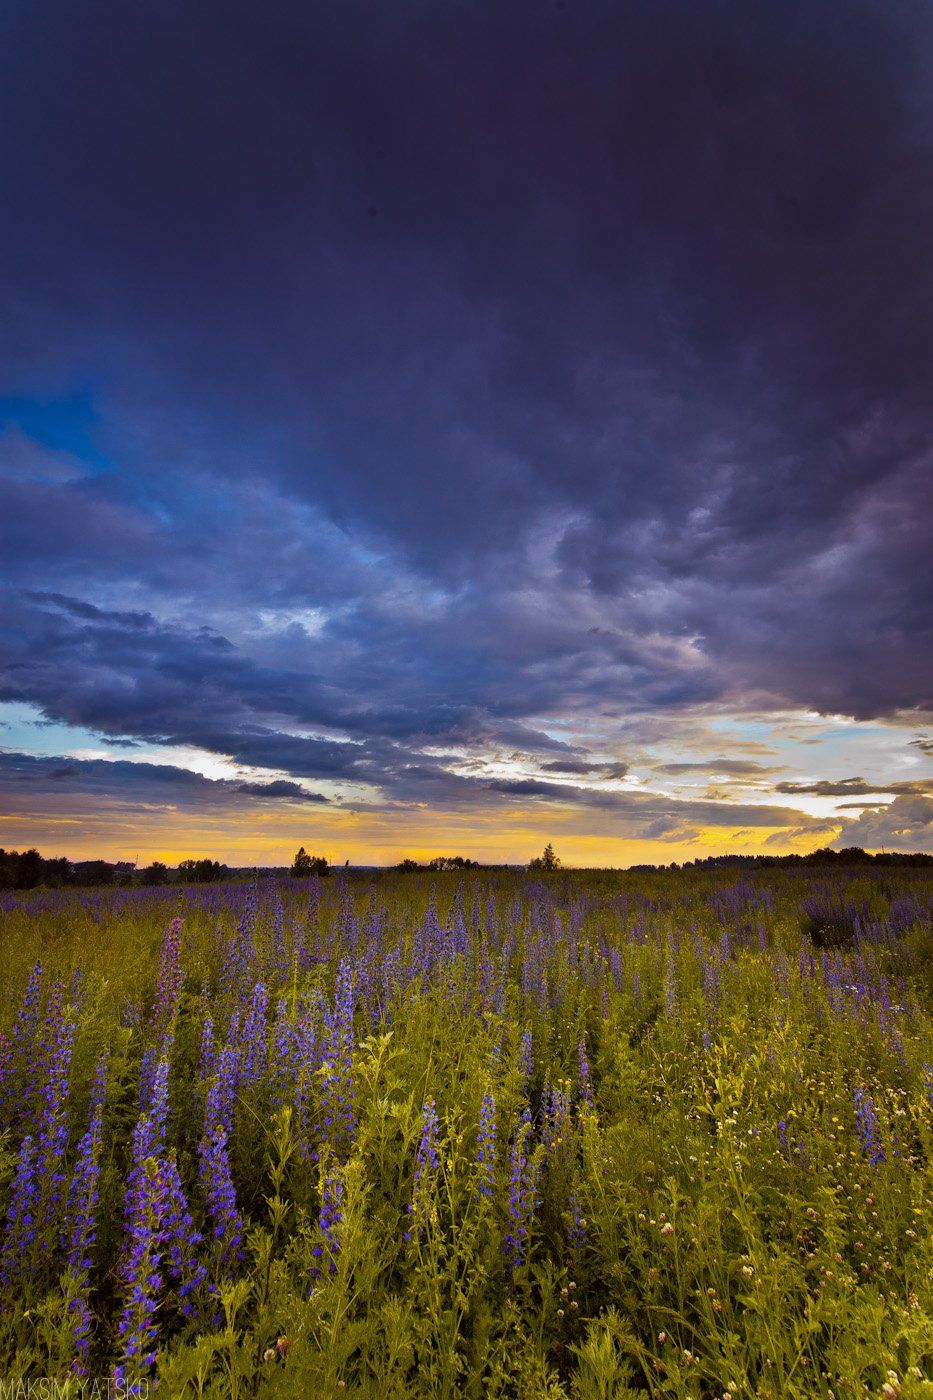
(524, 1169)
(329, 1222)
(585, 1081)
(217, 1184)
(427, 1160)
(486, 1146)
(867, 1127)
(21, 1216)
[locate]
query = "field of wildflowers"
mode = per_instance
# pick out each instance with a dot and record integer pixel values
(583, 1135)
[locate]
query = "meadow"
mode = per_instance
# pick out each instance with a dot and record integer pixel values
(588, 1134)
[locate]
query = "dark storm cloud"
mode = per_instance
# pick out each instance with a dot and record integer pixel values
(565, 360)
(87, 612)
(119, 781)
(117, 672)
(281, 788)
(661, 815)
(531, 787)
(582, 768)
(852, 787)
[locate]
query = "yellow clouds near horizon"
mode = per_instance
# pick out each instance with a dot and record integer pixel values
(263, 834)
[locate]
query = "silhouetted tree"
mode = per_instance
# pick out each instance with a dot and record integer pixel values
(547, 861)
(202, 872)
(305, 866)
(94, 872)
(452, 863)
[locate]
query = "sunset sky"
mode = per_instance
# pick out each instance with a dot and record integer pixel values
(442, 427)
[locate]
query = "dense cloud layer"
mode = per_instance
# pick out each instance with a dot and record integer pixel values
(905, 825)
(854, 787)
(40, 785)
(32, 779)
(392, 387)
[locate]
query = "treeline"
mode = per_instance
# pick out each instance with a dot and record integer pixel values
(24, 870)
(441, 863)
(850, 855)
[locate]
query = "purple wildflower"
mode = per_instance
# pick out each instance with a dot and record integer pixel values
(307, 1049)
(422, 1206)
(218, 1108)
(83, 1195)
(867, 1126)
(40, 1059)
(254, 1036)
(524, 1169)
(171, 979)
(16, 1053)
(338, 1117)
(555, 1113)
(181, 1238)
(148, 1143)
(53, 1137)
(81, 1231)
(21, 1216)
(137, 1328)
(27, 1019)
(329, 1221)
(158, 1108)
(711, 985)
(585, 1082)
(284, 1040)
(217, 1184)
(576, 1225)
(80, 1331)
(486, 1146)
(241, 951)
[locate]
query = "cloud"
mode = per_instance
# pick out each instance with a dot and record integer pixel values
(615, 408)
(585, 768)
(737, 767)
(35, 787)
(667, 828)
(808, 832)
(851, 787)
(906, 824)
(39, 783)
(22, 458)
(281, 788)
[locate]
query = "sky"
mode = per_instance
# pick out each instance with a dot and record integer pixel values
(448, 426)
